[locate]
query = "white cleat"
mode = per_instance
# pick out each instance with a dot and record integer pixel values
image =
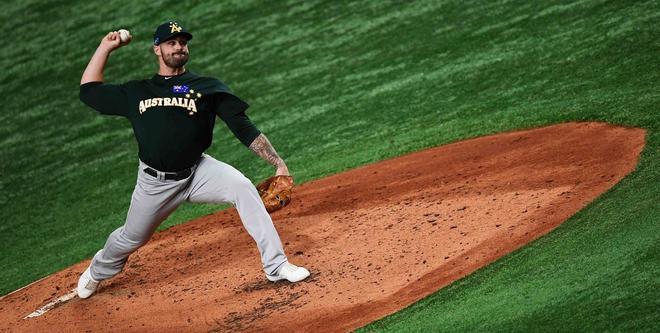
(289, 272)
(86, 285)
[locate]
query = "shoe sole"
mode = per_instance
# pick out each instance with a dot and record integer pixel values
(272, 278)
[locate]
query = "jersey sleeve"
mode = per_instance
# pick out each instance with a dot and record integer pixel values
(231, 110)
(108, 99)
(227, 104)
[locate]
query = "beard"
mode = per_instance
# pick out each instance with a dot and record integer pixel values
(175, 60)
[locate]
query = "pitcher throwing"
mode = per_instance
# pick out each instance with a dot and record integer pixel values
(173, 115)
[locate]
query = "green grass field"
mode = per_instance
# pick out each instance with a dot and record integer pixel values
(336, 85)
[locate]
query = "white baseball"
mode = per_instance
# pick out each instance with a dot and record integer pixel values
(123, 35)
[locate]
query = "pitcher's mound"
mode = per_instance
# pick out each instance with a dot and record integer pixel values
(376, 239)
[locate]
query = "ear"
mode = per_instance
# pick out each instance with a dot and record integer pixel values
(157, 50)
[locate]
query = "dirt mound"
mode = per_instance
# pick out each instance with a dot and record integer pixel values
(376, 239)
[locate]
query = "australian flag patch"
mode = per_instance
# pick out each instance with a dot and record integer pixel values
(180, 89)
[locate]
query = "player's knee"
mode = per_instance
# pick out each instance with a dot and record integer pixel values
(246, 185)
(131, 242)
(243, 186)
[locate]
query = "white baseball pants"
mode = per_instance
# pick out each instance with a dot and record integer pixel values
(154, 199)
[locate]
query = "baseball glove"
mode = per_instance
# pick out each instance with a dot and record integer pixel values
(275, 192)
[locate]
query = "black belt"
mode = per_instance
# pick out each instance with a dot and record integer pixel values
(183, 174)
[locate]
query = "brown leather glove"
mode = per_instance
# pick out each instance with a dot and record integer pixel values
(275, 192)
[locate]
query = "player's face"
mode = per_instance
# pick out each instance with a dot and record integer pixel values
(174, 52)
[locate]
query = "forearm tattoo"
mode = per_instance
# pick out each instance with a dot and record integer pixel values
(262, 147)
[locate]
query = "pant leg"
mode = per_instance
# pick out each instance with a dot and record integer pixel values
(218, 182)
(151, 203)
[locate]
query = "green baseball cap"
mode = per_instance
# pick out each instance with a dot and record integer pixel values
(169, 30)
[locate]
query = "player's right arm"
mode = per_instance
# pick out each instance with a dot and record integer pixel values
(94, 70)
(105, 98)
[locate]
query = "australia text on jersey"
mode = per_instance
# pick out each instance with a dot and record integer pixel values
(187, 103)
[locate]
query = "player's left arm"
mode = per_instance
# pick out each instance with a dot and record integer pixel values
(232, 111)
(264, 149)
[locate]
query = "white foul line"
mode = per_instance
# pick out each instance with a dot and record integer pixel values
(57, 302)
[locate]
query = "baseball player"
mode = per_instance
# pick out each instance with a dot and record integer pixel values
(173, 115)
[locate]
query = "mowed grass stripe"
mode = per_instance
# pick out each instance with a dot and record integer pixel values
(334, 85)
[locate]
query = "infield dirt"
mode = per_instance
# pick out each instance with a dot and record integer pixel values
(376, 239)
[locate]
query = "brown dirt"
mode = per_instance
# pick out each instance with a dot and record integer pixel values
(376, 239)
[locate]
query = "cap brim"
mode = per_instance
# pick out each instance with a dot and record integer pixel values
(184, 34)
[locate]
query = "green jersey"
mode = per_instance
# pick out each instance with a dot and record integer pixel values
(172, 117)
